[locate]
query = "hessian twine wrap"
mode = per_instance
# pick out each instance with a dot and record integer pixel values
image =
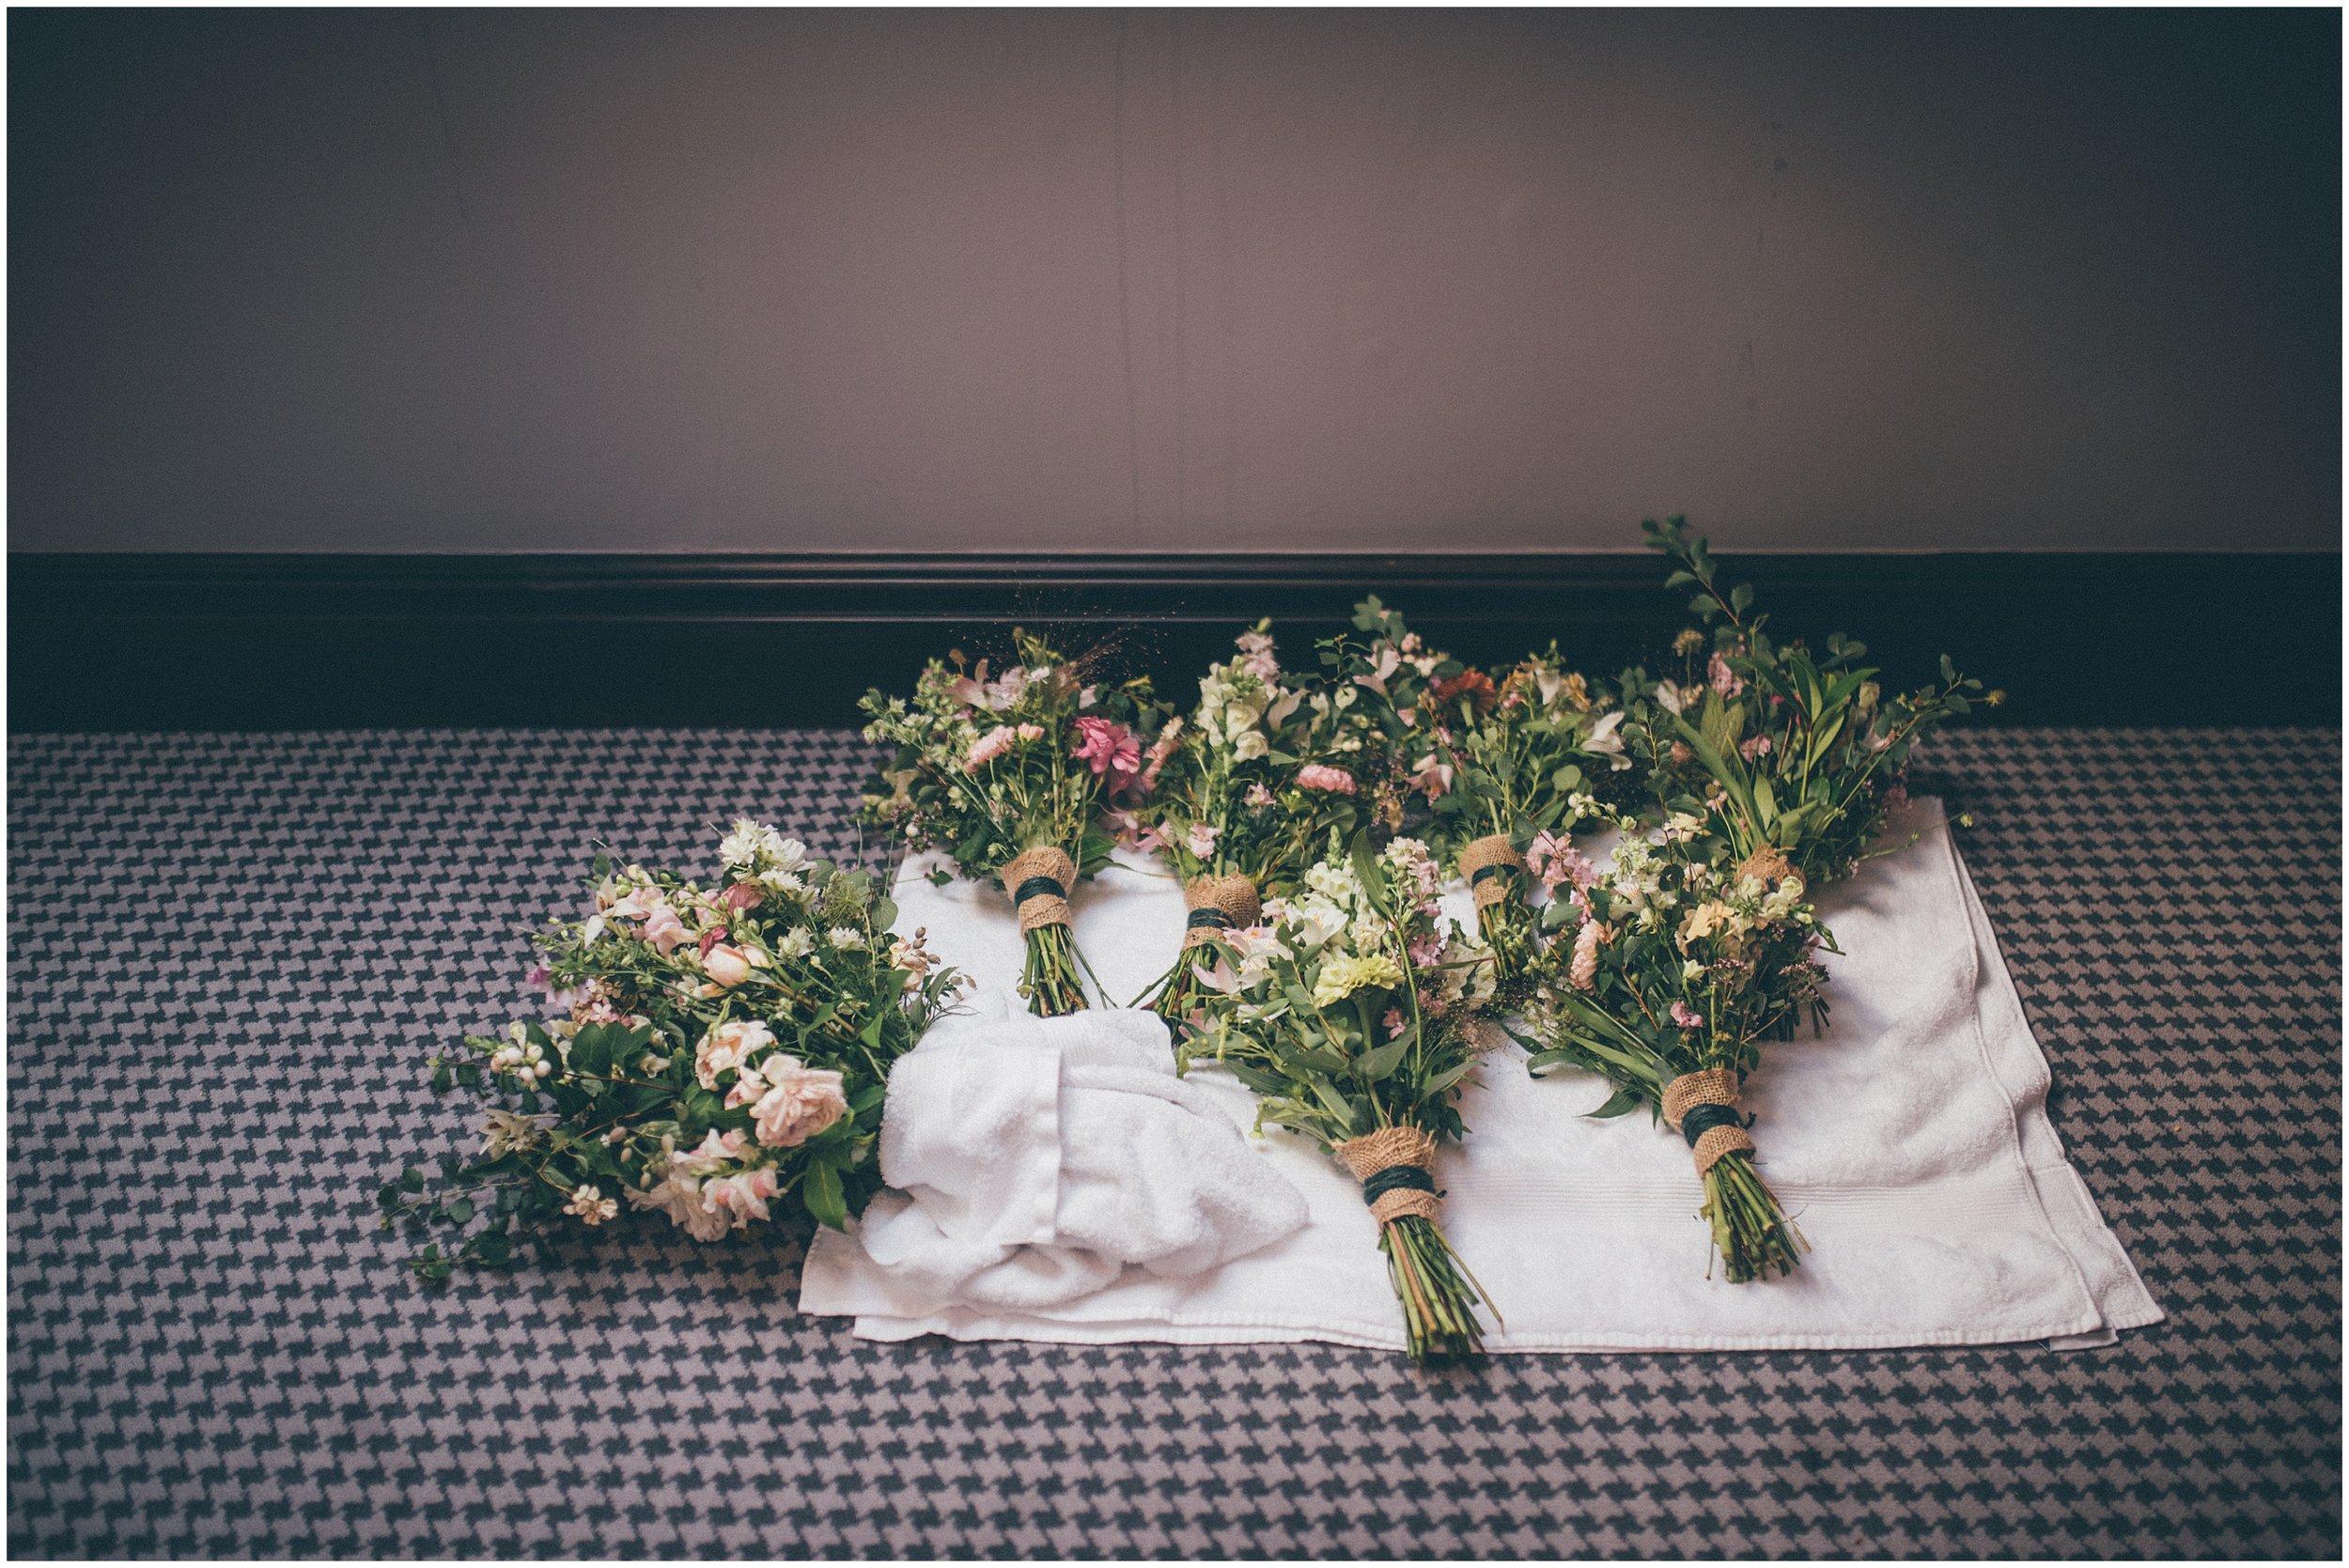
(1699, 1107)
(1038, 881)
(1482, 863)
(1218, 904)
(1392, 1165)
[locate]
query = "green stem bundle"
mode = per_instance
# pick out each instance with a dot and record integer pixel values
(1751, 1231)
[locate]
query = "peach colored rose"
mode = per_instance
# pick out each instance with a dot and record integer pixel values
(726, 966)
(799, 1102)
(726, 1047)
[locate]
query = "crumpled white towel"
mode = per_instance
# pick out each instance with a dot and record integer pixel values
(1036, 1159)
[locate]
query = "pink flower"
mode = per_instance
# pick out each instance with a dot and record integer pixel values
(1112, 750)
(1425, 951)
(1125, 828)
(1431, 777)
(1758, 746)
(1030, 732)
(726, 966)
(1724, 679)
(800, 1101)
(1556, 861)
(543, 978)
(1256, 656)
(987, 748)
(992, 695)
(742, 1196)
(663, 929)
(1200, 841)
(1313, 775)
(742, 897)
(1686, 1016)
(1391, 1022)
(1583, 973)
(728, 1048)
(1160, 749)
(1258, 795)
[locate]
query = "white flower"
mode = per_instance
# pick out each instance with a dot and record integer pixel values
(797, 942)
(591, 1206)
(1671, 695)
(847, 938)
(741, 846)
(1691, 970)
(679, 1196)
(1251, 745)
(1604, 742)
(504, 1132)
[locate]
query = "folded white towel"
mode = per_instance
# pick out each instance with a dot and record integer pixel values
(1912, 1144)
(1038, 1159)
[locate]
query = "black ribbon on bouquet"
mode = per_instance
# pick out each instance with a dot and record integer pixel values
(1397, 1178)
(1038, 886)
(1698, 1120)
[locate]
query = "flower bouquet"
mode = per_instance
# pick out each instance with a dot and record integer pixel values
(1008, 777)
(1521, 760)
(1798, 757)
(1672, 974)
(1353, 1018)
(726, 1050)
(1238, 807)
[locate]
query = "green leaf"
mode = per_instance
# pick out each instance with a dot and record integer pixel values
(1375, 1065)
(884, 914)
(458, 1210)
(821, 1193)
(411, 1180)
(1617, 1103)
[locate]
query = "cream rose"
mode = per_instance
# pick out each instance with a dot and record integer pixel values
(726, 966)
(800, 1101)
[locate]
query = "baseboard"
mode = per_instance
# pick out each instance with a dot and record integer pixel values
(181, 642)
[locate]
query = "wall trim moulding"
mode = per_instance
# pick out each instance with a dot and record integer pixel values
(177, 641)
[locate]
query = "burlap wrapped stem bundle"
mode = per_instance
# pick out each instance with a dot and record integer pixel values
(1038, 881)
(1495, 870)
(1212, 906)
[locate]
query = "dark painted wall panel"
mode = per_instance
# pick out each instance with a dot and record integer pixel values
(681, 280)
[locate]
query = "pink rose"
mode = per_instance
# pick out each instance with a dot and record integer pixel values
(726, 966)
(800, 1101)
(726, 1047)
(1313, 775)
(664, 930)
(742, 897)
(1111, 749)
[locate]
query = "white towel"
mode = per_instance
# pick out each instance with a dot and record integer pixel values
(1036, 1159)
(1912, 1144)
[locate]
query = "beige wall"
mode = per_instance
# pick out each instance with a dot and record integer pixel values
(390, 280)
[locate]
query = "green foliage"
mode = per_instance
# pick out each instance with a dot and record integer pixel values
(622, 1110)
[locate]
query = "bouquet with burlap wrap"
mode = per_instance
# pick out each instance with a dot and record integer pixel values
(1009, 777)
(1517, 769)
(1354, 1020)
(1667, 976)
(1226, 809)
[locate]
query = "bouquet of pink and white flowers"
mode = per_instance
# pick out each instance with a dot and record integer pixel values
(1352, 1013)
(1238, 808)
(1009, 778)
(1670, 969)
(716, 1052)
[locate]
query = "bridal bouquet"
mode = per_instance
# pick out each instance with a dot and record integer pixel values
(1009, 778)
(1798, 757)
(1241, 804)
(1670, 975)
(1520, 761)
(1352, 1018)
(722, 1051)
